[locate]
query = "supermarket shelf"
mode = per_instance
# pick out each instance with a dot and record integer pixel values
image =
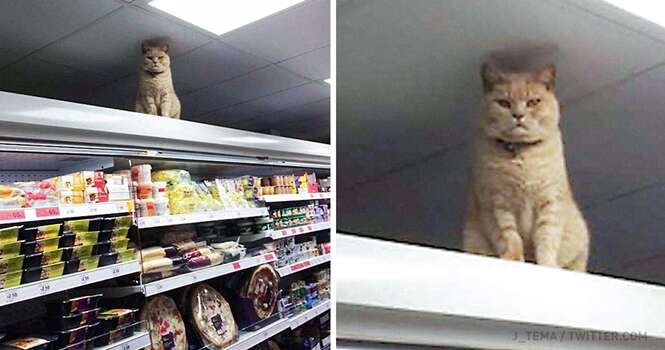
(191, 218)
(400, 293)
(299, 230)
(249, 339)
(136, 342)
(303, 265)
(303, 317)
(53, 126)
(75, 280)
(12, 216)
(186, 279)
(294, 197)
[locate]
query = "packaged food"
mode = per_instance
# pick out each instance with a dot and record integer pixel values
(40, 232)
(158, 252)
(27, 343)
(159, 190)
(10, 279)
(68, 197)
(67, 240)
(11, 264)
(119, 245)
(70, 336)
(39, 259)
(184, 246)
(114, 336)
(162, 207)
(262, 288)
(80, 251)
(162, 264)
(64, 322)
(86, 238)
(115, 318)
(142, 173)
(166, 326)
(42, 272)
(119, 233)
(146, 207)
(72, 305)
(197, 252)
(82, 225)
(40, 246)
(126, 255)
(84, 264)
(9, 234)
(205, 261)
(12, 197)
(89, 317)
(108, 259)
(10, 250)
(116, 222)
(101, 248)
(211, 316)
(144, 191)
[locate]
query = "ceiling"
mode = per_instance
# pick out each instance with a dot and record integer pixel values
(266, 76)
(409, 88)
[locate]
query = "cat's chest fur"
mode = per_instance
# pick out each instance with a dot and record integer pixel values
(155, 86)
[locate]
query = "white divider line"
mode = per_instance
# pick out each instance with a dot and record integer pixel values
(294, 197)
(186, 279)
(190, 218)
(303, 265)
(300, 230)
(66, 282)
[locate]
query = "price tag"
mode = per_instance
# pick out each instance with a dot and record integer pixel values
(10, 297)
(183, 218)
(311, 195)
(301, 229)
(309, 227)
(126, 346)
(285, 232)
(294, 231)
(236, 265)
(70, 211)
(13, 214)
(115, 271)
(85, 278)
(44, 212)
(44, 288)
(269, 257)
(93, 209)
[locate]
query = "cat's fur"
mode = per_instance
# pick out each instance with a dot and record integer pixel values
(156, 94)
(520, 205)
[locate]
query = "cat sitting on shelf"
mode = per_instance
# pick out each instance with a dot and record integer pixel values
(156, 94)
(521, 206)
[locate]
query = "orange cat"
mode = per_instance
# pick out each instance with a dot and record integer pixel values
(156, 94)
(520, 205)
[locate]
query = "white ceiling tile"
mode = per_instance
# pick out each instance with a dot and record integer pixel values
(314, 65)
(212, 63)
(290, 33)
(113, 45)
(26, 25)
(262, 82)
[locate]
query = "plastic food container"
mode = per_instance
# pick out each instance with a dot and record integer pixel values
(40, 246)
(87, 238)
(10, 279)
(67, 240)
(39, 259)
(82, 225)
(115, 318)
(64, 322)
(119, 233)
(27, 343)
(211, 316)
(42, 272)
(126, 255)
(73, 305)
(101, 248)
(40, 232)
(116, 222)
(11, 264)
(114, 336)
(77, 252)
(108, 259)
(205, 261)
(89, 317)
(84, 264)
(119, 245)
(9, 234)
(70, 336)
(10, 250)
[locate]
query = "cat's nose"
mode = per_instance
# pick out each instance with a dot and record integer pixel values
(518, 117)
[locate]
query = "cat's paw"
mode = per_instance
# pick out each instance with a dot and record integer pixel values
(512, 255)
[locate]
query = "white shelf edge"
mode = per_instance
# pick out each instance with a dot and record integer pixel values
(303, 265)
(303, 317)
(300, 230)
(135, 342)
(400, 293)
(66, 282)
(273, 198)
(251, 339)
(170, 283)
(65, 211)
(191, 218)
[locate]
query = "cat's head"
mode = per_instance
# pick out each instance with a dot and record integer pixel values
(155, 57)
(519, 107)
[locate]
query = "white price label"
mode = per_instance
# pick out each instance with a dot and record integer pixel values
(85, 278)
(93, 209)
(70, 211)
(44, 288)
(115, 271)
(10, 297)
(170, 220)
(126, 346)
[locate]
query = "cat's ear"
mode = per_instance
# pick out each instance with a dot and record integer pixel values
(491, 76)
(144, 47)
(165, 48)
(547, 76)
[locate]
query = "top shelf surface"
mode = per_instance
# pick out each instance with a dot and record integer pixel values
(53, 126)
(20, 215)
(294, 197)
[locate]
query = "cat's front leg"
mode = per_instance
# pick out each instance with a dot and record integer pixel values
(151, 105)
(548, 232)
(509, 244)
(165, 106)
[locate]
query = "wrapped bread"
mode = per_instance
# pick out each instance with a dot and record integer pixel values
(211, 316)
(164, 323)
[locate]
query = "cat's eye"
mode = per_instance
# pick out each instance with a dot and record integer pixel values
(532, 102)
(503, 103)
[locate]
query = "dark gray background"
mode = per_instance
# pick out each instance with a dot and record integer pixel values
(266, 76)
(408, 91)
